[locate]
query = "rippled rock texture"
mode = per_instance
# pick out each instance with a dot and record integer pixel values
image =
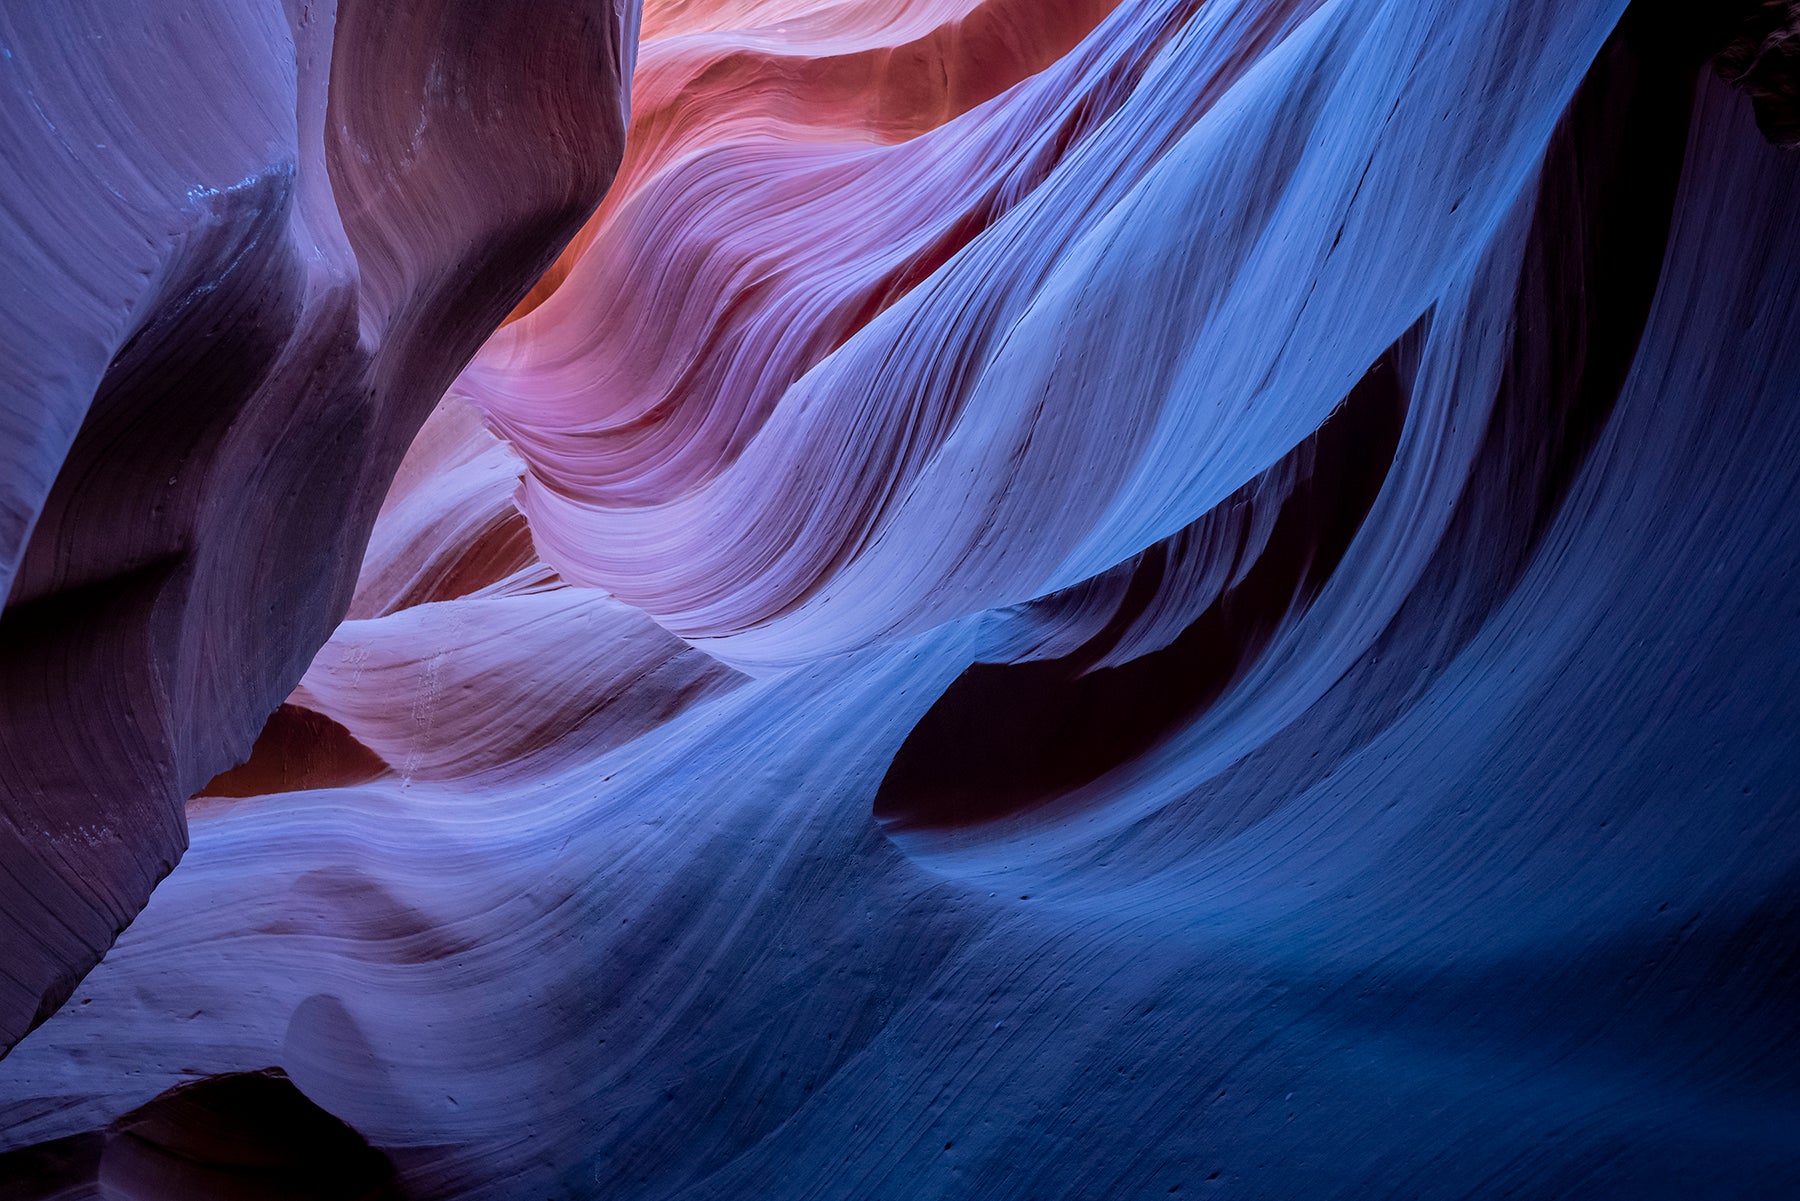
(1051, 600)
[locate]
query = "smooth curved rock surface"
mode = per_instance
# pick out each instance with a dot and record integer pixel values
(1060, 601)
(248, 245)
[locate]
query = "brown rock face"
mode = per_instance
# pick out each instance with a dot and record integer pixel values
(297, 750)
(239, 284)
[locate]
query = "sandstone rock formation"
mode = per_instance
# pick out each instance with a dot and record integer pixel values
(1050, 600)
(248, 245)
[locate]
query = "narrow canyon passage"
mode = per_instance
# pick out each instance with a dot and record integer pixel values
(1004, 599)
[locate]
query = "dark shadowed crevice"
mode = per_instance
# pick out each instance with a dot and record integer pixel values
(1586, 284)
(1005, 738)
(1762, 58)
(246, 1136)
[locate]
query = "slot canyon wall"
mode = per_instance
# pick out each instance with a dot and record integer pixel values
(930, 598)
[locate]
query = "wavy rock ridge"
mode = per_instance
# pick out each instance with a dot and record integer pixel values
(1048, 600)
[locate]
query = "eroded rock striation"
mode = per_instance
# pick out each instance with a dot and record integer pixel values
(1072, 600)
